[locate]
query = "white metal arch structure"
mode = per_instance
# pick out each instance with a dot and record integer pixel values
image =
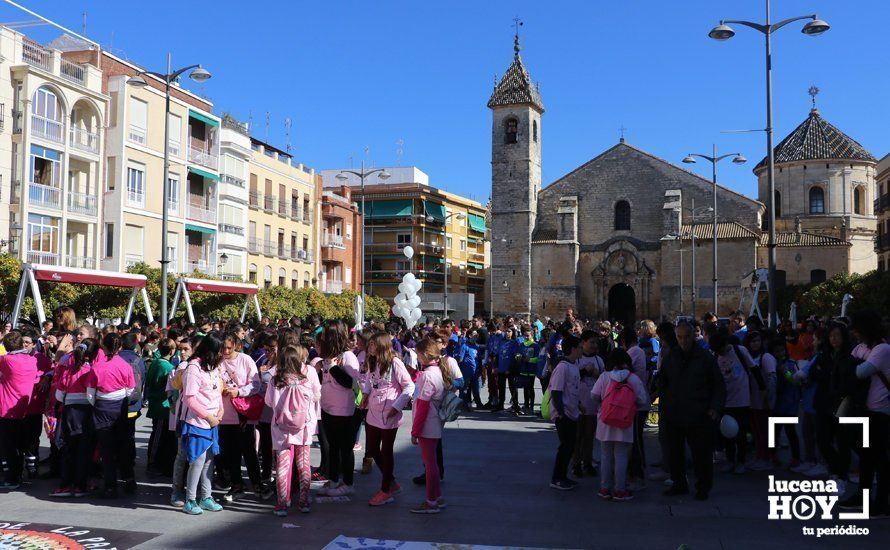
(184, 285)
(32, 273)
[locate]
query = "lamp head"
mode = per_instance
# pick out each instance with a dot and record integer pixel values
(689, 159)
(815, 27)
(721, 32)
(137, 81)
(384, 175)
(341, 176)
(739, 159)
(200, 74)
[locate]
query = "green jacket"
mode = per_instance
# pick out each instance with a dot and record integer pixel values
(156, 388)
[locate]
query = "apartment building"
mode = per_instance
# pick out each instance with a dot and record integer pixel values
(282, 214)
(52, 114)
(134, 172)
(446, 231)
(882, 211)
(341, 241)
(235, 154)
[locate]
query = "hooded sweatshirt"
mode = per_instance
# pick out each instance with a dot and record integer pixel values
(601, 388)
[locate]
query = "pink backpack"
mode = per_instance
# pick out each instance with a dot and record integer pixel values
(293, 408)
(619, 405)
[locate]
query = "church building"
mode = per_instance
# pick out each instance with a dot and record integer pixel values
(613, 238)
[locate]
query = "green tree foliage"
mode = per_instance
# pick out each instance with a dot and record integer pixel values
(869, 291)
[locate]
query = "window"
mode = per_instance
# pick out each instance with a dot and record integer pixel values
(778, 205)
(859, 200)
(282, 276)
(511, 129)
(231, 219)
(109, 240)
(817, 200)
(622, 216)
(403, 239)
(43, 239)
(267, 276)
(174, 145)
(251, 273)
(294, 279)
(347, 279)
(47, 119)
(306, 281)
(817, 276)
(110, 173)
(448, 242)
(138, 121)
(136, 187)
(134, 237)
(173, 194)
(46, 169)
(535, 131)
(463, 245)
(349, 231)
(172, 247)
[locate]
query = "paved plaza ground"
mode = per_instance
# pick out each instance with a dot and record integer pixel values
(497, 473)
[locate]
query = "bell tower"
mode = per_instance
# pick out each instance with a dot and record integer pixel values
(515, 181)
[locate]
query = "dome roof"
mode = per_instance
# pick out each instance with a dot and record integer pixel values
(816, 139)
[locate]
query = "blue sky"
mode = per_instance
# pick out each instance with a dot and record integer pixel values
(366, 74)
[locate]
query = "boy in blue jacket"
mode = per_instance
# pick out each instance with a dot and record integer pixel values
(530, 350)
(506, 370)
(494, 342)
(468, 361)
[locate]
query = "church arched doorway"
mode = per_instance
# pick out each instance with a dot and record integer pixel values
(622, 303)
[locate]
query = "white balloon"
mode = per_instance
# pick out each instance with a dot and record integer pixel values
(400, 299)
(409, 277)
(410, 324)
(417, 284)
(408, 251)
(414, 301)
(415, 314)
(729, 428)
(404, 288)
(396, 310)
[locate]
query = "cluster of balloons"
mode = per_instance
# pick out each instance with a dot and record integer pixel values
(407, 302)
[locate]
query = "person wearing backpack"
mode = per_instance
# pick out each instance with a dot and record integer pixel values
(292, 394)
(762, 383)
(618, 393)
(733, 362)
(427, 427)
(387, 390)
(565, 402)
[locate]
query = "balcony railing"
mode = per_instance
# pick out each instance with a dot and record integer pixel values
(332, 240)
(268, 203)
(237, 277)
(295, 213)
(82, 203)
(307, 216)
(45, 195)
(136, 134)
(302, 255)
(233, 229)
(43, 258)
(36, 55)
(283, 251)
(83, 139)
(203, 157)
(83, 262)
(261, 246)
(173, 147)
(201, 266)
(135, 198)
(254, 199)
(73, 72)
(173, 207)
(232, 180)
(282, 207)
(333, 287)
(47, 128)
(201, 214)
(131, 259)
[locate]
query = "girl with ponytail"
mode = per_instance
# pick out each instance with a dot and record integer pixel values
(426, 431)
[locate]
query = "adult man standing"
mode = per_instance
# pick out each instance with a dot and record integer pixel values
(692, 395)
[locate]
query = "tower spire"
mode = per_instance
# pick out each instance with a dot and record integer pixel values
(516, 24)
(813, 91)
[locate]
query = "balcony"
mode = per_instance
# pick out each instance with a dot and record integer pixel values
(45, 196)
(135, 198)
(136, 134)
(232, 180)
(203, 157)
(302, 255)
(43, 258)
(307, 216)
(131, 259)
(73, 72)
(261, 246)
(231, 229)
(333, 287)
(82, 203)
(237, 277)
(82, 262)
(268, 203)
(282, 208)
(882, 203)
(47, 128)
(83, 140)
(295, 213)
(283, 251)
(201, 266)
(201, 214)
(331, 240)
(36, 55)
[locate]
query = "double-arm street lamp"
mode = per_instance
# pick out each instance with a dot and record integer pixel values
(362, 174)
(724, 32)
(430, 219)
(714, 159)
(693, 212)
(198, 74)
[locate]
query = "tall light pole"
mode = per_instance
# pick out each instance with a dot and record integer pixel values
(724, 32)
(362, 174)
(460, 216)
(198, 74)
(714, 159)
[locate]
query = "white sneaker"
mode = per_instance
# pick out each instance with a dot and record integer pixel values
(802, 467)
(669, 482)
(340, 491)
(739, 469)
(818, 470)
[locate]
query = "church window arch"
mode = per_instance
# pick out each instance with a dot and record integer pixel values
(778, 201)
(622, 216)
(859, 200)
(511, 130)
(535, 131)
(817, 200)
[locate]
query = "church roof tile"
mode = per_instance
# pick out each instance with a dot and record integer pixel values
(725, 230)
(516, 88)
(790, 239)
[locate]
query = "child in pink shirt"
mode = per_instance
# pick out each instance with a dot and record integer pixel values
(18, 375)
(293, 394)
(426, 430)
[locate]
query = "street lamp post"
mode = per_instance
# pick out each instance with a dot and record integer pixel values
(198, 74)
(714, 159)
(384, 175)
(724, 32)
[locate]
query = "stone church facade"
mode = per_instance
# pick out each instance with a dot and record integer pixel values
(613, 238)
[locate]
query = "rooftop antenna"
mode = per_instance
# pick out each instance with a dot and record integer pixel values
(83, 28)
(268, 120)
(813, 91)
(287, 125)
(368, 156)
(249, 118)
(400, 150)
(517, 22)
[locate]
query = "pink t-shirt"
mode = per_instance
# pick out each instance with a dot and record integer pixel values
(71, 386)
(273, 398)
(878, 395)
(111, 377)
(430, 387)
(38, 398)
(202, 388)
(335, 399)
(392, 390)
(18, 374)
(738, 390)
(242, 374)
(592, 363)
